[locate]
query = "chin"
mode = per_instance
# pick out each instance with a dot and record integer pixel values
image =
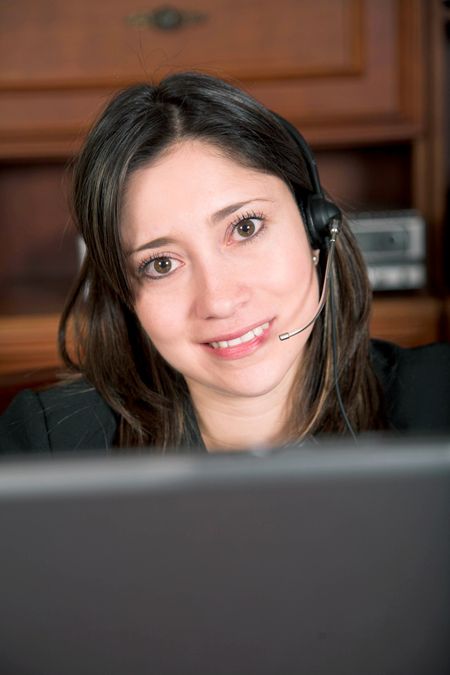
(252, 387)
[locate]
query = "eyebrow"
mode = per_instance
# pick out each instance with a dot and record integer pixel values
(228, 210)
(215, 218)
(155, 243)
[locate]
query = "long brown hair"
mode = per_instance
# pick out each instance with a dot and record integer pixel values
(113, 352)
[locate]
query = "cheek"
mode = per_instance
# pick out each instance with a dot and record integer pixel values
(290, 265)
(160, 318)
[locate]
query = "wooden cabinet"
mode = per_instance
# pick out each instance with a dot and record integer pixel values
(408, 321)
(343, 70)
(28, 353)
(362, 79)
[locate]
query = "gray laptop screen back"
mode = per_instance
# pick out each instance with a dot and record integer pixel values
(329, 561)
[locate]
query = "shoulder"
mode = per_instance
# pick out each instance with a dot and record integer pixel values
(70, 416)
(416, 385)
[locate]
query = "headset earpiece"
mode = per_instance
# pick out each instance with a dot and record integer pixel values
(319, 212)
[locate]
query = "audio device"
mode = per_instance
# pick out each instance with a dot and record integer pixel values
(334, 231)
(322, 218)
(323, 223)
(318, 210)
(393, 244)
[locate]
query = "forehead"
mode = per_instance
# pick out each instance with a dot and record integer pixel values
(190, 169)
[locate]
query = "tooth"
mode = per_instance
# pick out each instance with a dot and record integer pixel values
(248, 336)
(223, 344)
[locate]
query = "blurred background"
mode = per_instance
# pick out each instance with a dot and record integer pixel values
(365, 81)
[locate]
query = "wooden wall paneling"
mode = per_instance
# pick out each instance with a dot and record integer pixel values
(428, 159)
(408, 321)
(87, 42)
(28, 354)
(28, 344)
(431, 175)
(47, 123)
(38, 252)
(374, 105)
(343, 70)
(364, 178)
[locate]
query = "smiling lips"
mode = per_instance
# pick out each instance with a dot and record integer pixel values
(247, 337)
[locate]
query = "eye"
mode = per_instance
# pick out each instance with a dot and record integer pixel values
(158, 267)
(247, 228)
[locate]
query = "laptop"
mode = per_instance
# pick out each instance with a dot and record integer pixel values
(325, 559)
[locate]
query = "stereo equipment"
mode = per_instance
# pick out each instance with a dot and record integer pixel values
(393, 244)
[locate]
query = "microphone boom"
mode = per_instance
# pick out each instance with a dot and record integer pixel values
(333, 231)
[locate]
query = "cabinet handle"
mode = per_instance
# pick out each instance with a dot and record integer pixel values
(166, 18)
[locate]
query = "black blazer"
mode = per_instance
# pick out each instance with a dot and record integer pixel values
(74, 417)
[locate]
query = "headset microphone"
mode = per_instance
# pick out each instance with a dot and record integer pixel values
(334, 230)
(322, 217)
(322, 220)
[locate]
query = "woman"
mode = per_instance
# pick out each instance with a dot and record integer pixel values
(208, 239)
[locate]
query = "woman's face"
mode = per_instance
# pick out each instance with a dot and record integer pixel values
(220, 265)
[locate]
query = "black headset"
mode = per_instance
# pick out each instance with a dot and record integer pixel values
(319, 212)
(323, 220)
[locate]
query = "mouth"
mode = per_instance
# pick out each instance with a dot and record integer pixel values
(241, 339)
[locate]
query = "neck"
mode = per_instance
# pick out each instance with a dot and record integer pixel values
(240, 423)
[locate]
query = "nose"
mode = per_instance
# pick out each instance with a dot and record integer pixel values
(220, 290)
